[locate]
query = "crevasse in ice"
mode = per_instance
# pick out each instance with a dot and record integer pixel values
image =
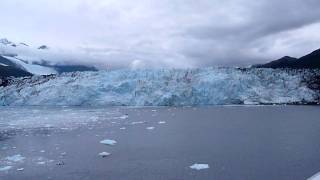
(162, 87)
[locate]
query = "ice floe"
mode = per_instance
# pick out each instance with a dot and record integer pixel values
(137, 122)
(162, 122)
(150, 128)
(126, 116)
(199, 166)
(315, 177)
(108, 142)
(104, 154)
(20, 169)
(5, 168)
(15, 158)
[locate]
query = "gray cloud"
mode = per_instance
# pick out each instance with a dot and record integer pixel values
(167, 33)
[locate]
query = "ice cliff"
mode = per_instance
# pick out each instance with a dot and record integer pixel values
(163, 87)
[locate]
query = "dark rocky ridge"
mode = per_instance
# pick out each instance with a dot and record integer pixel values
(310, 61)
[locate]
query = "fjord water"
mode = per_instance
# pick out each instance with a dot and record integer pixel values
(237, 142)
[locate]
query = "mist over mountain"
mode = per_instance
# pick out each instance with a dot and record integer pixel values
(19, 59)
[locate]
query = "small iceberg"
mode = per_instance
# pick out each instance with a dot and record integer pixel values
(315, 177)
(41, 163)
(199, 166)
(123, 128)
(104, 154)
(20, 169)
(15, 158)
(138, 122)
(150, 128)
(162, 122)
(108, 142)
(126, 116)
(5, 168)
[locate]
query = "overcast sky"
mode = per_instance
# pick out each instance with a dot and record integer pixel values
(166, 33)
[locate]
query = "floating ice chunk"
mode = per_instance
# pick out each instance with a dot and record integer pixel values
(20, 169)
(5, 168)
(154, 110)
(15, 158)
(315, 177)
(150, 128)
(162, 122)
(42, 151)
(137, 122)
(126, 116)
(108, 142)
(41, 163)
(199, 166)
(123, 128)
(104, 154)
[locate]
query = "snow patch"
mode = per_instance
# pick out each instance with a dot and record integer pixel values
(32, 68)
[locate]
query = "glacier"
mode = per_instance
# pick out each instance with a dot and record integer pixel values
(162, 87)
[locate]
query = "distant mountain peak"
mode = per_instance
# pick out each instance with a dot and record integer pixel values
(6, 42)
(310, 61)
(315, 53)
(24, 44)
(288, 58)
(43, 47)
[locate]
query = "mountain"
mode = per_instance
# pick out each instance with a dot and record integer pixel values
(31, 68)
(19, 59)
(65, 68)
(43, 47)
(8, 68)
(310, 61)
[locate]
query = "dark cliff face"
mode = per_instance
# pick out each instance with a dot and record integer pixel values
(310, 61)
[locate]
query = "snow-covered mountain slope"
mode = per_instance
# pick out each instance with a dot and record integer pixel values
(31, 68)
(38, 60)
(8, 68)
(210, 86)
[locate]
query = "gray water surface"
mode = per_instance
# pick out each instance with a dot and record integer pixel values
(242, 142)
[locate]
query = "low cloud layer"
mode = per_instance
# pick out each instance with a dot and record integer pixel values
(167, 33)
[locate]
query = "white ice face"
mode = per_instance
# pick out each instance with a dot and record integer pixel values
(210, 86)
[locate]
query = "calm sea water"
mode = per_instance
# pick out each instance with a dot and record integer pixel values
(242, 142)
